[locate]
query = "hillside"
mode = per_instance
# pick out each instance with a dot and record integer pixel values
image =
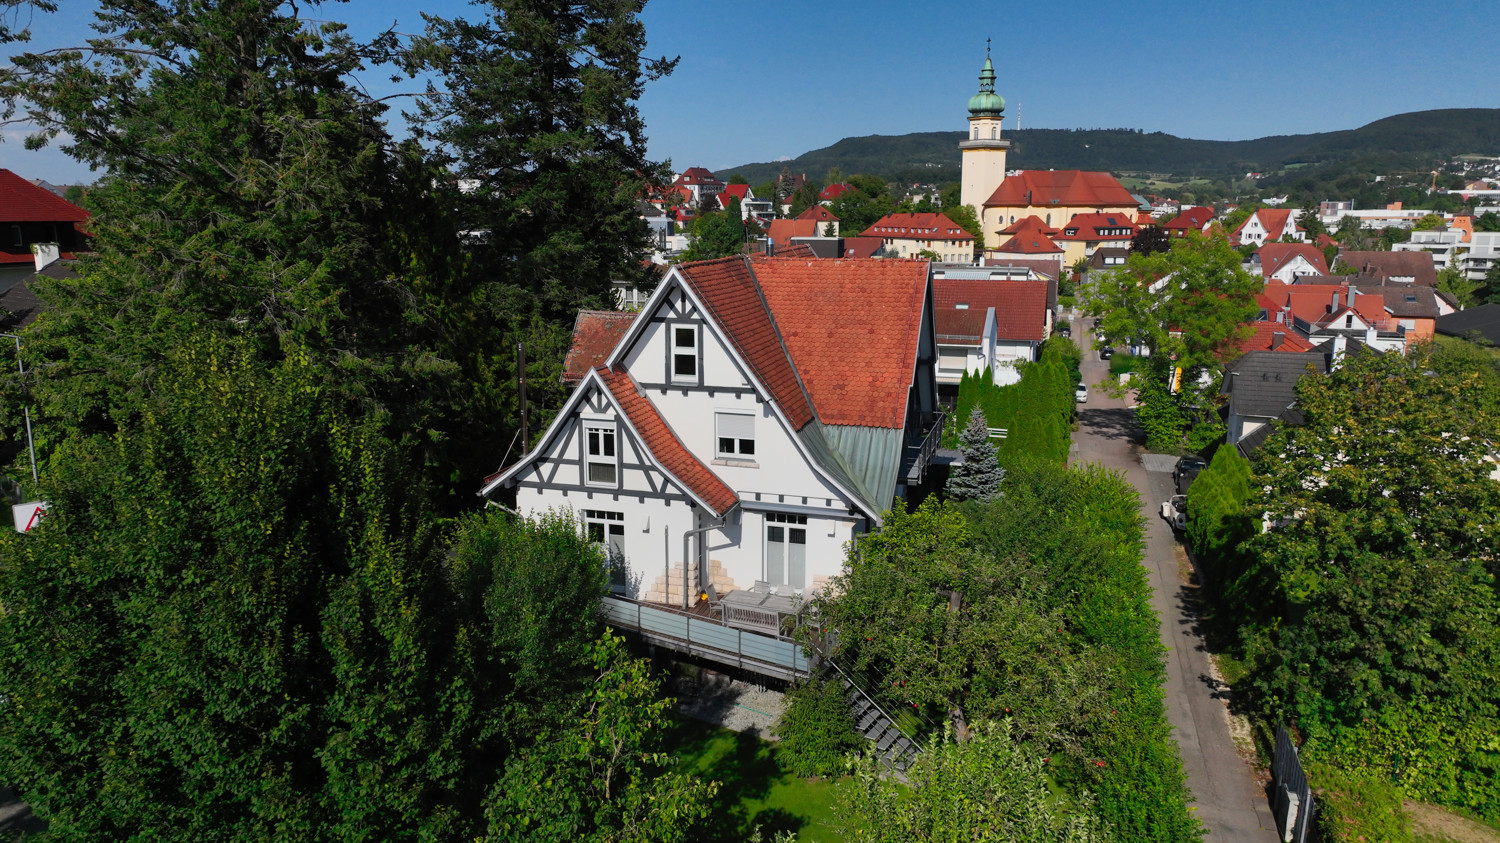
(934, 157)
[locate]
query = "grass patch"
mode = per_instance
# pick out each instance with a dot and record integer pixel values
(1125, 363)
(753, 787)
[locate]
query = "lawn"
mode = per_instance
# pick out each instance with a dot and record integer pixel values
(753, 789)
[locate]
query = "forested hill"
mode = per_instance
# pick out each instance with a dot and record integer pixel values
(934, 156)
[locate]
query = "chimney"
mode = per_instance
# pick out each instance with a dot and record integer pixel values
(1340, 344)
(1370, 336)
(45, 254)
(1335, 302)
(1277, 338)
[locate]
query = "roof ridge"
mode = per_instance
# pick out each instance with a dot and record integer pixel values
(781, 341)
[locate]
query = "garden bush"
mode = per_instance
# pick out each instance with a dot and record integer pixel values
(816, 728)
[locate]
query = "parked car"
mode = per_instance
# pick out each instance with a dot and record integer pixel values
(1106, 352)
(1081, 393)
(1065, 331)
(1175, 512)
(1186, 471)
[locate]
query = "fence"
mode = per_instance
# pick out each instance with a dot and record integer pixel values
(1292, 800)
(711, 639)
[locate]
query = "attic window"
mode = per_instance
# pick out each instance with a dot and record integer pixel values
(961, 306)
(685, 354)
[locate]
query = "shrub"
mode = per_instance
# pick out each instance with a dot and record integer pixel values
(1358, 805)
(816, 728)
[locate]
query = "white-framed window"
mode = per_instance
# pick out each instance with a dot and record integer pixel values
(786, 550)
(683, 340)
(734, 435)
(607, 529)
(601, 456)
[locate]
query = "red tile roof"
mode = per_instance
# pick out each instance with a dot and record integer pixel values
(862, 247)
(817, 213)
(22, 201)
(1090, 226)
(852, 326)
(595, 335)
(796, 250)
(1273, 220)
(781, 232)
(1314, 302)
(833, 191)
(1264, 336)
(665, 447)
(728, 288)
(959, 327)
(917, 227)
(1274, 256)
(1068, 188)
(1030, 222)
(697, 175)
(1191, 219)
(1417, 265)
(1032, 242)
(1020, 306)
(738, 191)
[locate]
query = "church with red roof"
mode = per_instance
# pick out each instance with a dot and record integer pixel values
(1002, 198)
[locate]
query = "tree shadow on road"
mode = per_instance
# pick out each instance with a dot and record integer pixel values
(1110, 423)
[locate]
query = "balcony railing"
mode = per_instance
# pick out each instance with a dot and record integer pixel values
(920, 450)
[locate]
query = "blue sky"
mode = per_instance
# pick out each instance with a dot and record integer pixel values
(766, 79)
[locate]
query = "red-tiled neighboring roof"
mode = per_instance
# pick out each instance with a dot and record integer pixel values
(781, 232)
(917, 227)
(1030, 222)
(852, 326)
(1274, 256)
(697, 175)
(1273, 220)
(862, 247)
(1386, 264)
(817, 213)
(728, 288)
(1265, 333)
(1069, 188)
(1314, 302)
(1193, 219)
(833, 191)
(1030, 243)
(22, 201)
(738, 191)
(595, 335)
(664, 445)
(960, 327)
(1089, 226)
(1020, 306)
(1325, 240)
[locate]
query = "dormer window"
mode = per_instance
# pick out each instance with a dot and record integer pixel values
(601, 455)
(684, 354)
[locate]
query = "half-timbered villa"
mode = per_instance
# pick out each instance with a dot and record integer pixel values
(756, 417)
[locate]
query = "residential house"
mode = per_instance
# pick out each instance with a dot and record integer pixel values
(1285, 262)
(1267, 225)
(1391, 216)
(1321, 312)
(1030, 236)
(37, 227)
(757, 416)
(832, 192)
(1273, 336)
(1085, 233)
(781, 232)
(1415, 309)
(827, 221)
(1395, 267)
(984, 323)
(907, 235)
(759, 210)
(1261, 388)
(1484, 254)
(1446, 245)
(701, 185)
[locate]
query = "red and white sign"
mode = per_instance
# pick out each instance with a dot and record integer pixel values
(28, 515)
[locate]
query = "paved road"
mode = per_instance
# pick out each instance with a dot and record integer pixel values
(1226, 796)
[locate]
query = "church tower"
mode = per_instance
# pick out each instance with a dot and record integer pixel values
(984, 151)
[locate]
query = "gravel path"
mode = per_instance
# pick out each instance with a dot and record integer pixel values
(735, 705)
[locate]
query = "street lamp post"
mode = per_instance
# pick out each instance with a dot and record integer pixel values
(26, 411)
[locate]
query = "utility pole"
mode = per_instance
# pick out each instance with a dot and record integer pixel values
(25, 410)
(521, 388)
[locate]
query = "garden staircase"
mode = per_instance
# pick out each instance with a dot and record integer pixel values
(892, 746)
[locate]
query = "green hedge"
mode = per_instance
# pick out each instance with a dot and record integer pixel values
(1216, 520)
(1037, 413)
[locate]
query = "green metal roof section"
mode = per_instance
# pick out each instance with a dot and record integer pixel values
(986, 103)
(869, 457)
